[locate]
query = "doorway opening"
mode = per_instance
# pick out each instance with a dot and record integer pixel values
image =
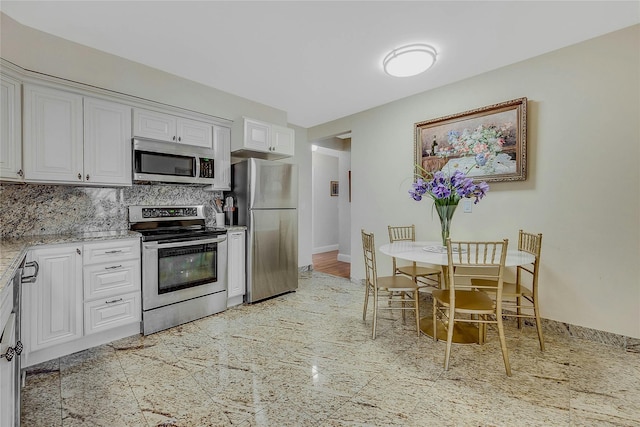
(331, 205)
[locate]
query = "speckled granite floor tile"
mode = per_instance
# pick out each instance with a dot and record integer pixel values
(307, 359)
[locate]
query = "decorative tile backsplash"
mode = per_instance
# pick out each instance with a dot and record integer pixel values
(30, 209)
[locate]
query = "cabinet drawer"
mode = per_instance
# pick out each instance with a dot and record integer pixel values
(108, 313)
(104, 280)
(111, 251)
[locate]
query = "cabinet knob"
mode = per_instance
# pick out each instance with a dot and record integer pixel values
(78, 251)
(80, 176)
(174, 137)
(179, 138)
(87, 177)
(20, 173)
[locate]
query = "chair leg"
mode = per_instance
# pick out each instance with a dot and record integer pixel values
(519, 311)
(404, 314)
(375, 314)
(538, 324)
(450, 326)
(366, 301)
(435, 320)
(503, 346)
(417, 303)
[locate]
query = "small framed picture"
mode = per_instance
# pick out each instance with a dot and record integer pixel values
(334, 188)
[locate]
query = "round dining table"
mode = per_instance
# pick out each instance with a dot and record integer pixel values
(429, 252)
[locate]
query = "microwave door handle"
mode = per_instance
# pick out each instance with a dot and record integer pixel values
(156, 245)
(197, 160)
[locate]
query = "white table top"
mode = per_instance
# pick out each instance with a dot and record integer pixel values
(414, 251)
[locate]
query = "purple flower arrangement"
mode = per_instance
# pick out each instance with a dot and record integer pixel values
(448, 190)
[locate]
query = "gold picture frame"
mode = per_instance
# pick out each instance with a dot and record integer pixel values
(487, 143)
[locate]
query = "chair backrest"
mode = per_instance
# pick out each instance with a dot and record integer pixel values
(531, 243)
(369, 250)
(402, 233)
(480, 260)
(406, 233)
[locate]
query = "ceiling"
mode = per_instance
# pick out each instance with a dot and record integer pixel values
(322, 60)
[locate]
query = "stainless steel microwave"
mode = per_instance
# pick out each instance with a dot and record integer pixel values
(155, 161)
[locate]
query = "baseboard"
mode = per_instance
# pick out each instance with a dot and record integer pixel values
(344, 258)
(322, 249)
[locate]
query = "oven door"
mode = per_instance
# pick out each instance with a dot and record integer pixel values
(178, 271)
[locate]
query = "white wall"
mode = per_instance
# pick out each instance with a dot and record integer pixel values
(344, 206)
(325, 207)
(583, 188)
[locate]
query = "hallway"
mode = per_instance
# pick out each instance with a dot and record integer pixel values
(327, 262)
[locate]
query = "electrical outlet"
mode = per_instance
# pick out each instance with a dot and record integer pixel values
(467, 206)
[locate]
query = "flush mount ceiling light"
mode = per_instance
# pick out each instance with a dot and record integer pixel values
(409, 60)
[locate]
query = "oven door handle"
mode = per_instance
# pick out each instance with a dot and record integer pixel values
(156, 245)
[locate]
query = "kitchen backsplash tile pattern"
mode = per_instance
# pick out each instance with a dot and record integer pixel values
(60, 209)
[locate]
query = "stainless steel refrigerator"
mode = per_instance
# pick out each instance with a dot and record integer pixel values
(267, 199)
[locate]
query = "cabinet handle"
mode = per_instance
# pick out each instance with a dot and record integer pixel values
(9, 354)
(179, 138)
(117, 251)
(113, 268)
(78, 251)
(174, 137)
(113, 301)
(18, 348)
(80, 176)
(32, 278)
(87, 177)
(20, 173)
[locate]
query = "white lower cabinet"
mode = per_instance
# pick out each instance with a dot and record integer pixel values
(52, 305)
(112, 312)
(236, 267)
(85, 295)
(8, 395)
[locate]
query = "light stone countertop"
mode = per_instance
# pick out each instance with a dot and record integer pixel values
(13, 251)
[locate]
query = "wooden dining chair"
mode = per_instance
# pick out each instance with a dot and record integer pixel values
(423, 276)
(463, 303)
(520, 299)
(402, 291)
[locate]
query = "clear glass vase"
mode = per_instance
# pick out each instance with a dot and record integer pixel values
(445, 212)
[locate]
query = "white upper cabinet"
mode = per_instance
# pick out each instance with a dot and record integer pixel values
(52, 135)
(257, 135)
(169, 128)
(222, 156)
(71, 139)
(10, 130)
(282, 139)
(264, 140)
(107, 146)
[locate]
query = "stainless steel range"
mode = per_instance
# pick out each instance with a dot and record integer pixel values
(184, 265)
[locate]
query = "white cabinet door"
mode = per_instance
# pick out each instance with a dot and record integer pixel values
(222, 156)
(282, 140)
(150, 124)
(107, 142)
(169, 128)
(257, 136)
(7, 374)
(193, 132)
(52, 135)
(52, 306)
(236, 263)
(10, 130)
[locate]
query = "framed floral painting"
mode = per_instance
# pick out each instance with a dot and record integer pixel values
(488, 143)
